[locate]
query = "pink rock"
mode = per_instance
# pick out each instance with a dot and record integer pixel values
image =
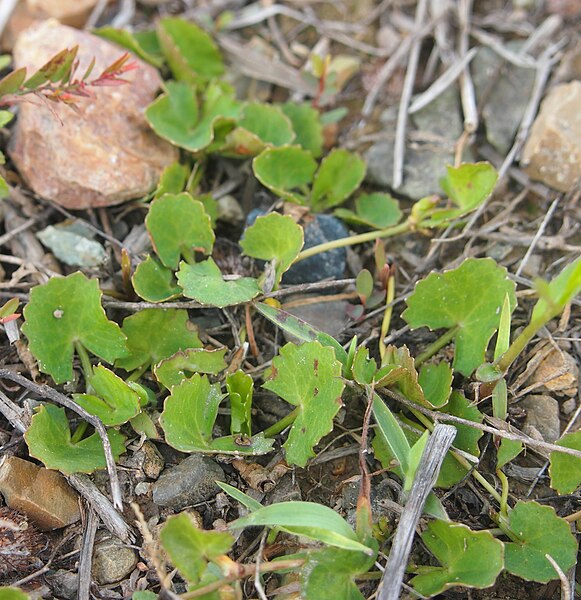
(107, 154)
(69, 12)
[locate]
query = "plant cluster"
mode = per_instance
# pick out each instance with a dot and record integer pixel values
(407, 395)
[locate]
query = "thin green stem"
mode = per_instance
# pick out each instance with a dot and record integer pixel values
(79, 432)
(282, 424)
(504, 494)
(85, 364)
(520, 343)
(435, 346)
(188, 255)
(138, 372)
(353, 240)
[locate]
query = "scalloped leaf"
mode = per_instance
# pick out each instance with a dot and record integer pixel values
(274, 237)
(469, 558)
(286, 171)
(306, 124)
(178, 225)
(176, 117)
(113, 401)
(173, 332)
(377, 211)
(540, 531)
(469, 298)
(204, 282)
(268, 123)
(173, 370)
(436, 381)
(49, 440)
(191, 53)
(190, 548)
(340, 174)
(309, 377)
(65, 311)
(565, 470)
(153, 282)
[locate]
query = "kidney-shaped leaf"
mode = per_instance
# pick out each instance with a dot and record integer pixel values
(172, 332)
(540, 531)
(376, 210)
(114, 402)
(306, 124)
(178, 225)
(286, 171)
(154, 282)
(204, 282)
(274, 237)
(268, 123)
(468, 558)
(309, 377)
(468, 298)
(65, 311)
(340, 174)
(49, 439)
(565, 470)
(190, 548)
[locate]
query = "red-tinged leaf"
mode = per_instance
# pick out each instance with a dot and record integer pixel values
(89, 70)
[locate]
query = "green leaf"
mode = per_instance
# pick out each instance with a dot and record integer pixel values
(244, 499)
(307, 126)
(173, 332)
(188, 419)
(507, 451)
(144, 596)
(468, 298)
(173, 180)
(127, 40)
(560, 291)
(268, 123)
(436, 381)
(204, 282)
(175, 115)
(330, 573)
(539, 531)
(62, 312)
(12, 593)
(56, 69)
(11, 83)
(398, 372)
(364, 368)
(5, 117)
(340, 174)
(178, 225)
(467, 186)
(143, 424)
(565, 470)
(153, 282)
(190, 52)
(49, 440)
(312, 520)
(309, 377)
(189, 413)
(274, 237)
(173, 370)
(469, 558)
(114, 402)
(377, 211)
(190, 548)
(4, 189)
(300, 329)
(240, 388)
(467, 437)
(284, 170)
(392, 434)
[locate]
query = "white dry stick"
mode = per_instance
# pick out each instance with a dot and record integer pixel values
(467, 94)
(406, 94)
(442, 83)
(86, 556)
(438, 444)
(566, 587)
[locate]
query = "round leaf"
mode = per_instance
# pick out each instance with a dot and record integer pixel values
(274, 237)
(306, 125)
(469, 298)
(62, 312)
(267, 122)
(173, 370)
(154, 282)
(177, 225)
(565, 470)
(49, 439)
(285, 169)
(372, 210)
